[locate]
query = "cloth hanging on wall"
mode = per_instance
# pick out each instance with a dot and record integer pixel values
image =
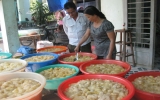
(55, 5)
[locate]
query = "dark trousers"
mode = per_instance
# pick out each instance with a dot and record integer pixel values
(84, 48)
(102, 57)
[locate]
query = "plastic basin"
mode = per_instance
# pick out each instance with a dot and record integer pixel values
(63, 49)
(33, 66)
(36, 96)
(64, 85)
(20, 68)
(125, 65)
(8, 55)
(142, 95)
(60, 59)
(33, 95)
(54, 83)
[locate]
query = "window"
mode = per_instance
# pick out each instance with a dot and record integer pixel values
(139, 12)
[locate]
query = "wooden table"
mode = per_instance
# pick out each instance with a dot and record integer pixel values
(33, 38)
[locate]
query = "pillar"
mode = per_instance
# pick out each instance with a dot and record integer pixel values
(9, 26)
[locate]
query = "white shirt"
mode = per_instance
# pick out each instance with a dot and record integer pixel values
(76, 29)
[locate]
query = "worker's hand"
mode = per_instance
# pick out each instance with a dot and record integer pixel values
(109, 57)
(76, 49)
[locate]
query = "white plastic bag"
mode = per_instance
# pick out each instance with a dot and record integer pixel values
(42, 44)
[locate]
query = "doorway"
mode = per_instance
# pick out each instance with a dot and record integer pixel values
(157, 39)
(140, 19)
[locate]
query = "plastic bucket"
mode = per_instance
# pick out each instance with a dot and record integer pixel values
(125, 65)
(142, 95)
(8, 55)
(64, 85)
(36, 96)
(20, 68)
(54, 83)
(33, 95)
(33, 66)
(62, 49)
(61, 57)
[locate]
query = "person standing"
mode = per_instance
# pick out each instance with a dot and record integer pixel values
(61, 38)
(75, 25)
(102, 32)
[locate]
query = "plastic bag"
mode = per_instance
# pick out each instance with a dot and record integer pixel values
(42, 44)
(25, 50)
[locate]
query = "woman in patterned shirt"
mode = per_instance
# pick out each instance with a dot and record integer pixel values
(102, 32)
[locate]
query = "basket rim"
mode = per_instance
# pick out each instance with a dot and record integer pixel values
(105, 62)
(58, 65)
(70, 54)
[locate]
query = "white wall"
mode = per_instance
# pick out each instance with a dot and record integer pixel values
(21, 11)
(113, 9)
(27, 8)
(23, 8)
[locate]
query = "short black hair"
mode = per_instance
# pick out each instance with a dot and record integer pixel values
(68, 5)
